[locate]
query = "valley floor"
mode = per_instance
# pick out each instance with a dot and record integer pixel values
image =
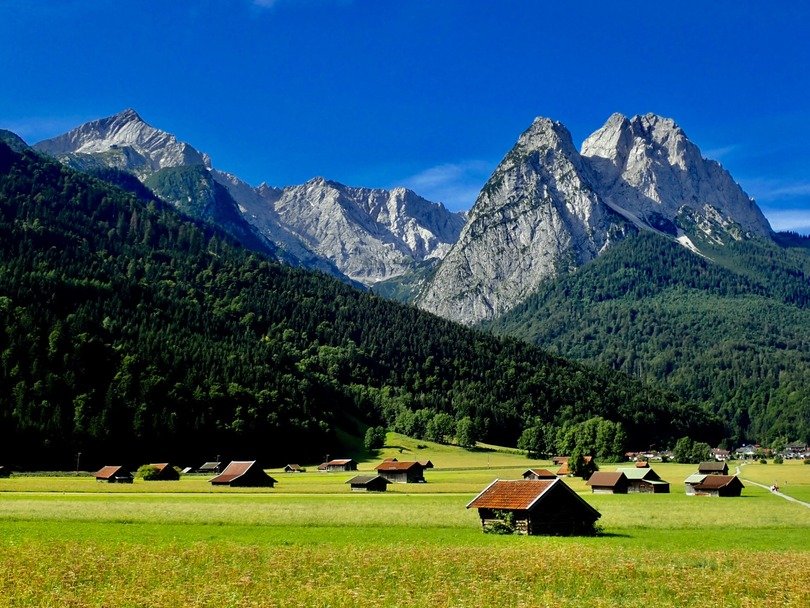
(311, 542)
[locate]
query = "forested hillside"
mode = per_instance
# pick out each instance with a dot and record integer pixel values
(130, 332)
(734, 335)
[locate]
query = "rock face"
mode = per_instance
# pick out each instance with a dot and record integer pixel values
(537, 216)
(124, 141)
(360, 234)
(549, 209)
(648, 170)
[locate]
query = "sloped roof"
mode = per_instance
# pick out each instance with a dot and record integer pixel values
(159, 466)
(235, 470)
(339, 461)
(609, 479)
(398, 466)
(518, 494)
(715, 482)
(712, 465)
(645, 474)
(209, 466)
(524, 495)
(109, 471)
(695, 478)
(541, 473)
(362, 480)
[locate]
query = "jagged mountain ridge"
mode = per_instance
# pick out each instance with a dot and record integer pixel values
(548, 209)
(362, 234)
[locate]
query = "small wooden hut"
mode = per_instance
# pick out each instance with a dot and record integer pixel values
(608, 482)
(293, 468)
(645, 480)
(402, 472)
(164, 472)
(113, 474)
(538, 474)
(210, 467)
(713, 467)
(538, 506)
(244, 473)
(714, 485)
(339, 464)
(368, 483)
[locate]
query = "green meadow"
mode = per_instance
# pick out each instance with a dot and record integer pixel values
(70, 541)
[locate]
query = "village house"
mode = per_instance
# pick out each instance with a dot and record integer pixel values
(797, 449)
(720, 454)
(368, 483)
(713, 485)
(608, 482)
(402, 472)
(538, 506)
(713, 468)
(539, 474)
(113, 474)
(644, 480)
(164, 472)
(339, 464)
(244, 473)
(293, 468)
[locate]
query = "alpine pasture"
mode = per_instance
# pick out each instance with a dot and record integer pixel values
(72, 541)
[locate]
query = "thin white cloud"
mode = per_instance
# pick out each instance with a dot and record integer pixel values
(768, 189)
(719, 153)
(797, 220)
(455, 184)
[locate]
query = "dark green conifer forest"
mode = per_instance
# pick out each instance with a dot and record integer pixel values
(133, 334)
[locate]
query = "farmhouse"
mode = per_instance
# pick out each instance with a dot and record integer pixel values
(293, 468)
(368, 483)
(644, 480)
(113, 474)
(402, 472)
(713, 468)
(210, 467)
(243, 473)
(713, 485)
(538, 506)
(165, 472)
(538, 474)
(340, 464)
(608, 482)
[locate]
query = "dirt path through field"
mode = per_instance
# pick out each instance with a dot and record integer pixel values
(785, 496)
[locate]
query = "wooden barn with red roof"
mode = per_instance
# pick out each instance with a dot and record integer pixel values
(244, 473)
(338, 464)
(713, 485)
(608, 482)
(538, 506)
(113, 474)
(402, 472)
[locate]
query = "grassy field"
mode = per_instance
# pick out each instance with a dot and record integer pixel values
(69, 541)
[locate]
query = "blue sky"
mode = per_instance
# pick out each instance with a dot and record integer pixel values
(427, 94)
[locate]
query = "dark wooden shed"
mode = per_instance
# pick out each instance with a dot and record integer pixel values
(165, 472)
(538, 474)
(244, 473)
(713, 468)
(4, 472)
(339, 464)
(210, 467)
(539, 506)
(113, 474)
(608, 482)
(368, 483)
(717, 485)
(402, 472)
(645, 481)
(293, 468)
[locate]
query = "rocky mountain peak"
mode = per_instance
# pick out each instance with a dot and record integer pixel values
(124, 141)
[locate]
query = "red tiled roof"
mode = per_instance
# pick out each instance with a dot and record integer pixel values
(233, 471)
(398, 466)
(715, 482)
(159, 466)
(517, 494)
(107, 472)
